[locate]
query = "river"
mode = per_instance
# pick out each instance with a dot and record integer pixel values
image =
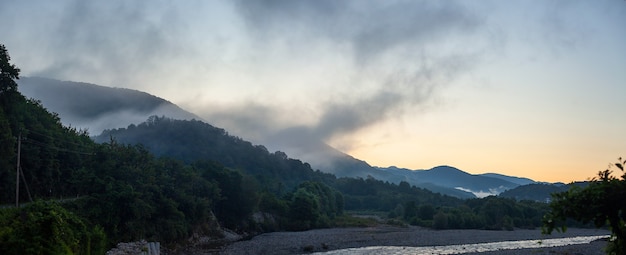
(468, 248)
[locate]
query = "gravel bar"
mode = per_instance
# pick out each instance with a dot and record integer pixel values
(321, 240)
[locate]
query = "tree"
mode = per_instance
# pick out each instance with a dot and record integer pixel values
(8, 72)
(304, 210)
(47, 228)
(601, 202)
(313, 205)
(426, 212)
(410, 210)
(440, 220)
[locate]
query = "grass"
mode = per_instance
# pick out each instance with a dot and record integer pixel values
(365, 219)
(348, 220)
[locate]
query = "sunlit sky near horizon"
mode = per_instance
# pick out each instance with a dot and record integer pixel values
(524, 88)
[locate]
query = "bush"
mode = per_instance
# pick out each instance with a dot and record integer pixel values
(47, 228)
(440, 220)
(601, 202)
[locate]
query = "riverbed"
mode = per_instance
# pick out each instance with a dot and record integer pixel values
(374, 240)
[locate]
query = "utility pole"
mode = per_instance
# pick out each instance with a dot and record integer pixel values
(17, 172)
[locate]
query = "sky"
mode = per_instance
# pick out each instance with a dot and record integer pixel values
(524, 88)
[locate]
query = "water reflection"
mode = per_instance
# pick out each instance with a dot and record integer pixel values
(466, 248)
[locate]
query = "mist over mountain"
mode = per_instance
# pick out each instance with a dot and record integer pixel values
(94, 107)
(298, 144)
(513, 179)
(451, 177)
(301, 144)
(98, 108)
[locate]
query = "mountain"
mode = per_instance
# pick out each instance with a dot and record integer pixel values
(193, 140)
(445, 180)
(513, 179)
(98, 108)
(322, 156)
(541, 192)
(94, 107)
(450, 177)
(535, 192)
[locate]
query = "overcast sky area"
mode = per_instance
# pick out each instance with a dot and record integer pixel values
(525, 88)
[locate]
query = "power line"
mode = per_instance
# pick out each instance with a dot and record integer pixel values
(20, 172)
(54, 138)
(34, 142)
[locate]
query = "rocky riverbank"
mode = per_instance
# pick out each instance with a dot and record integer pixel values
(321, 240)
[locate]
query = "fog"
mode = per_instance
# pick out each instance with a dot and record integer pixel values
(487, 75)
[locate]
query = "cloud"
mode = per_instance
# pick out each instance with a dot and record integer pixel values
(115, 43)
(337, 70)
(340, 118)
(118, 40)
(349, 64)
(369, 27)
(252, 120)
(395, 49)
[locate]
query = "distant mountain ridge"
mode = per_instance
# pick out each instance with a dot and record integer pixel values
(513, 179)
(444, 179)
(85, 105)
(99, 108)
(452, 177)
(541, 192)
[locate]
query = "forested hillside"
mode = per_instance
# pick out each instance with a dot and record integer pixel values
(193, 140)
(101, 194)
(540, 191)
(276, 172)
(98, 107)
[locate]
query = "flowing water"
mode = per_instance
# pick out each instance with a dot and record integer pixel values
(466, 248)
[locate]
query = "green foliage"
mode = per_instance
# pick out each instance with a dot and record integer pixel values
(330, 200)
(417, 206)
(536, 192)
(47, 228)
(238, 193)
(371, 194)
(440, 220)
(492, 213)
(348, 220)
(304, 210)
(498, 212)
(8, 72)
(133, 195)
(7, 142)
(410, 210)
(314, 205)
(601, 202)
(192, 140)
(270, 204)
(426, 212)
